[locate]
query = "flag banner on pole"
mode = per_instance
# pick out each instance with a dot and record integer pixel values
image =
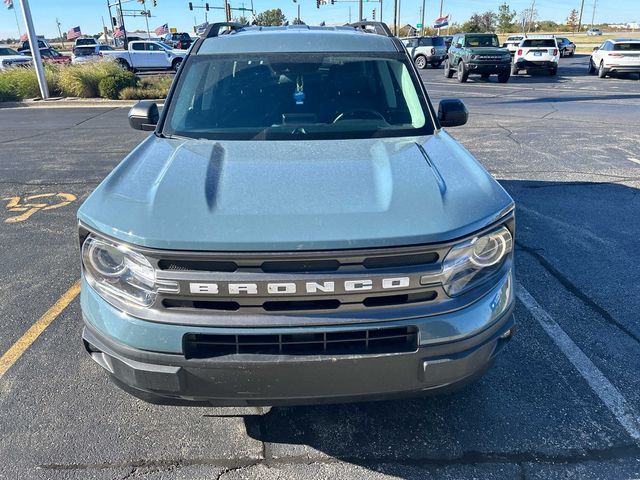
(8, 4)
(118, 32)
(441, 22)
(73, 33)
(162, 29)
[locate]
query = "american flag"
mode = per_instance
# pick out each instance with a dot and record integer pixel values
(441, 22)
(9, 4)
(73, 33)
(118, 32)
(162, 29)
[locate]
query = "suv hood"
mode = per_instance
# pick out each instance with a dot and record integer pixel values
(295, 195)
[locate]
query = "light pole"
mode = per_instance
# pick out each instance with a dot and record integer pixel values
(440, 15)
(395, 17)
(360, 10)
(35, 49)
(422, 19)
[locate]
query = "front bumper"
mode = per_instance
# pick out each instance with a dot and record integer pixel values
(146, 358)
(482, 68)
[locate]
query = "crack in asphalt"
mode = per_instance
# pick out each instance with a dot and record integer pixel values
(576, 291)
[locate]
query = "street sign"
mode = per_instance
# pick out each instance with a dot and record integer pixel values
(418, 25)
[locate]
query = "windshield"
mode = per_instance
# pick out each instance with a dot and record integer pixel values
(8, 51)
(296, 96)
(549, 43)
(629, 47)
(481, 41)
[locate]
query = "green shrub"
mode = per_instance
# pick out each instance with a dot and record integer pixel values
(141, 93)
(83, 80)
(20, 82)
(110, 87)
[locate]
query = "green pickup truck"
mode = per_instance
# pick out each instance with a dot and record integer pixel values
(477, 53)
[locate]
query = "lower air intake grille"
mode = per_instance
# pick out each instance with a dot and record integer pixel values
(350, 342)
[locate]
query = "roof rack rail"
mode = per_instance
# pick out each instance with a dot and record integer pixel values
(379, 28)
(213, 30)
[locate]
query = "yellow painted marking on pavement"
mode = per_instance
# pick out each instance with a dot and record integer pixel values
(28, 207)
(12, 355)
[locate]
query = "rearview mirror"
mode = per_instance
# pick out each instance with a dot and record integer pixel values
(452, 113)
(144, 116)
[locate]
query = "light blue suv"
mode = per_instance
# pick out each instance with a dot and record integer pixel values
(298, 229)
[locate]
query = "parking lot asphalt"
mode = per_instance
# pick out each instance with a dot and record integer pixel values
(562, 401)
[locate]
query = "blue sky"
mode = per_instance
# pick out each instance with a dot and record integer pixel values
(87, 13)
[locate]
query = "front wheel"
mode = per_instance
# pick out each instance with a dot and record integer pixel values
(448, 73)
(421, 62)
(504, 77)
(463, 73)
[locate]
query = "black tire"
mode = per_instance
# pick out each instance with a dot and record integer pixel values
(485, 76)
(462, 72)
(176, 64)
(592, 67)
(421, 62)
(602, 72)
(448, 73)
(514, 70)
(123, 64)
(504, 77)
(561, 52)
(436, 64)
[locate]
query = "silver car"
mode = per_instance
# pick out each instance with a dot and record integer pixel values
(89, 53)
(425, 50)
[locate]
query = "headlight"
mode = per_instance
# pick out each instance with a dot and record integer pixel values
(115, 271)
(475, 57)
(472, 262)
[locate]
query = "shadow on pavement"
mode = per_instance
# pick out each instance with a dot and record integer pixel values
(532, 406)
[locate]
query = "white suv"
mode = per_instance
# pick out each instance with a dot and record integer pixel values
(618, 55)
(512, 43)
(536, 53)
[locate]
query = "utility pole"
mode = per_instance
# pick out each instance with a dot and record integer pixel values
(422, 19)
(124, 30)
(34, 47)
(440, 15)
(360, 10)
(580, 19)
(395, 17)
(298, 13)
(60, 32)
(593, 15)
(399, 20)
(380, 10)
(146, 18)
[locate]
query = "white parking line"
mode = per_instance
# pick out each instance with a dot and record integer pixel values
(602, 387)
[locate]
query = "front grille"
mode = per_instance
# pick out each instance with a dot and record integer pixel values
(349, 342)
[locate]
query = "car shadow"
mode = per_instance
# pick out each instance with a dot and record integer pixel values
(512, 414)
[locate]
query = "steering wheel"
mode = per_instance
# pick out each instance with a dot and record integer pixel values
(350, 114)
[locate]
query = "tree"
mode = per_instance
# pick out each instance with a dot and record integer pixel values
(480, 22)
(572, 20)
(241, 19)
(271, 18)
(505, 18)
(528, 18)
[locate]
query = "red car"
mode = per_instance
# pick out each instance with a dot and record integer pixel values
(51, 56)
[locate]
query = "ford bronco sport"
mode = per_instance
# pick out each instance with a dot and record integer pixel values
(298, 228)
(477, 53)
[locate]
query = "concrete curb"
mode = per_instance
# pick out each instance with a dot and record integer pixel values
(72, 103)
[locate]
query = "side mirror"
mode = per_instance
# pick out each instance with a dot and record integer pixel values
(596, 48)
(452, 112)
(144, 116)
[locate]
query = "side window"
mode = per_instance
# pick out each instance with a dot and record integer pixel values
(137, 46)
(459, 42)
(152, 47)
